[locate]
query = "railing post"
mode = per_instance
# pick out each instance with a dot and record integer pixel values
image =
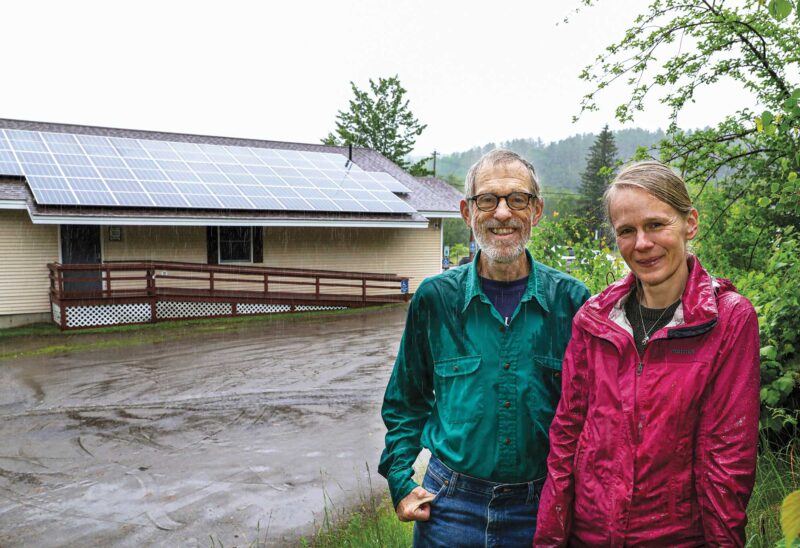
(211, 281)
(266, 284)
(364, 290)
(108, 281)
(60, 284)
(151, 294)
(317, 286)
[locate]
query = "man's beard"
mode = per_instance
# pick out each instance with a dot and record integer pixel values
(500, 253)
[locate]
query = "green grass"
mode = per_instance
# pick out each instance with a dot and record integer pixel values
(375, 524)
(776, 477)
(47, 339)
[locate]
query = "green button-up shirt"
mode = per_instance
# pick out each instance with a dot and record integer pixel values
(478, 393)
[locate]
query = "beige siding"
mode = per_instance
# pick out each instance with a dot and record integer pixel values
(157, 243)
(25, 250)
(408, 252)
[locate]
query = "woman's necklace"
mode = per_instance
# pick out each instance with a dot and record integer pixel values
(647, 332)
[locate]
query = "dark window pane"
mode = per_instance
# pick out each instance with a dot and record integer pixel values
(235, 243)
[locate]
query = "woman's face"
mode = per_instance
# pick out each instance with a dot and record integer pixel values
(651, 236)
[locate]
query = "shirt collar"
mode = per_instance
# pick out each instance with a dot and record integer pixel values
(534, 289)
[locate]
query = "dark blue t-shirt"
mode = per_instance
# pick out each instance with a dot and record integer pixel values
(505, 296)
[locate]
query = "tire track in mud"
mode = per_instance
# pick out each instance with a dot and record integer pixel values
(270, 398)
(180, 440)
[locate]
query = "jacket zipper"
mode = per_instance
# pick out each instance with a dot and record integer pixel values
(637, 418)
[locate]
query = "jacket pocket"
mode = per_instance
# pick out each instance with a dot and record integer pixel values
(459, 393)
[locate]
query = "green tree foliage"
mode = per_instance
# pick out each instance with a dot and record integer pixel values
(559, 163)
(600, 164)
(456, 231)
(744, 170)
(593, 263)
(560, 202)
(380, 119)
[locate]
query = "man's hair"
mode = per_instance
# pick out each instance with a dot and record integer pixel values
(656, 179)
(495, 157)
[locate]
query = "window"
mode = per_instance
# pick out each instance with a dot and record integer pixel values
(235, 244)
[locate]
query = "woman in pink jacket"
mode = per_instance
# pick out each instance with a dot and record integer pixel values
(654, 439)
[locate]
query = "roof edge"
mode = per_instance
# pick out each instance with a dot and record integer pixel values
(440, 214)
(59, 127)
(13, 204)
(194, 221)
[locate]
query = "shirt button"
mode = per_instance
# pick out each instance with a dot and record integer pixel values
(455, 368)
(507, 404)
(508, 441)
(557, 374)
(506, 365)
(502, 328)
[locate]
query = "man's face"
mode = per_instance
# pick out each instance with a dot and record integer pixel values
(502, 233)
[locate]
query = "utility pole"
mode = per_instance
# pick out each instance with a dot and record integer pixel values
(435, 154)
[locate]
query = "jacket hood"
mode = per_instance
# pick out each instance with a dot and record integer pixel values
(699, 299)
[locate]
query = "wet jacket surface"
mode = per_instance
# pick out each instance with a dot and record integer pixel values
(657, 450)
(476, 389)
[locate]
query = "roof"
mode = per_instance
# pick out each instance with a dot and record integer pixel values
(427, 195)
(439, 192)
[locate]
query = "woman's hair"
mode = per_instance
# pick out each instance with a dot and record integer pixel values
(656, 179)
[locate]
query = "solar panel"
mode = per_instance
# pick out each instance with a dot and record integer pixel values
(94, 170)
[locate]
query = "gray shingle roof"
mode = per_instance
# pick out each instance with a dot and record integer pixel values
(439, 192)
(430, 194)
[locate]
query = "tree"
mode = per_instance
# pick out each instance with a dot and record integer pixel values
(381, 120)
(600, 164)
(744, 171)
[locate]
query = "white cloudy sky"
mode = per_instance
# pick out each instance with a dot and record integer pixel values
(475, 71)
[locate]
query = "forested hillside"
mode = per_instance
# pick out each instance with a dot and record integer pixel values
(559, 163)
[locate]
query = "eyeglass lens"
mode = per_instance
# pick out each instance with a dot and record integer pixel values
(515, 200)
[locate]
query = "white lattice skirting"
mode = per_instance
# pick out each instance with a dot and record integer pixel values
(181, 309)
(106, 314)
(111, 314)
(246, 309)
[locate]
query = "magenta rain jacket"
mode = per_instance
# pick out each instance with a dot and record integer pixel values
(658, 450)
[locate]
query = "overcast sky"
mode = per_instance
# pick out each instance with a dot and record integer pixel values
(475, 71)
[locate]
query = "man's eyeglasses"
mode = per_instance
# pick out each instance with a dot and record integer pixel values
(515, 200)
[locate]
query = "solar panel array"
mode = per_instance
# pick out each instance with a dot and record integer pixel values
(93, 170)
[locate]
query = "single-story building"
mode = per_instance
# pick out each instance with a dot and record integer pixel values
(177, 225)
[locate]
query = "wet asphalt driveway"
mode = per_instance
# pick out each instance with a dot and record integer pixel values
(169, 444)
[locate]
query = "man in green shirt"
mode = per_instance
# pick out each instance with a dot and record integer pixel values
(477, 376)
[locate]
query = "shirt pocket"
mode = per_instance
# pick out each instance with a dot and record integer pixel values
(545, 390)
(459, 392)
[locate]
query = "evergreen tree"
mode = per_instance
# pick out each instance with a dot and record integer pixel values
(595, 179)
(381, 120)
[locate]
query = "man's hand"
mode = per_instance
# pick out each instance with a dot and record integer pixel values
(415, 506)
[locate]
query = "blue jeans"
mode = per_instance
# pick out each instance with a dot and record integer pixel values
(470, 512)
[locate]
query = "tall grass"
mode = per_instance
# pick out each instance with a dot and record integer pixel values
(777, 475)
(371, 525)
(374, 524)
